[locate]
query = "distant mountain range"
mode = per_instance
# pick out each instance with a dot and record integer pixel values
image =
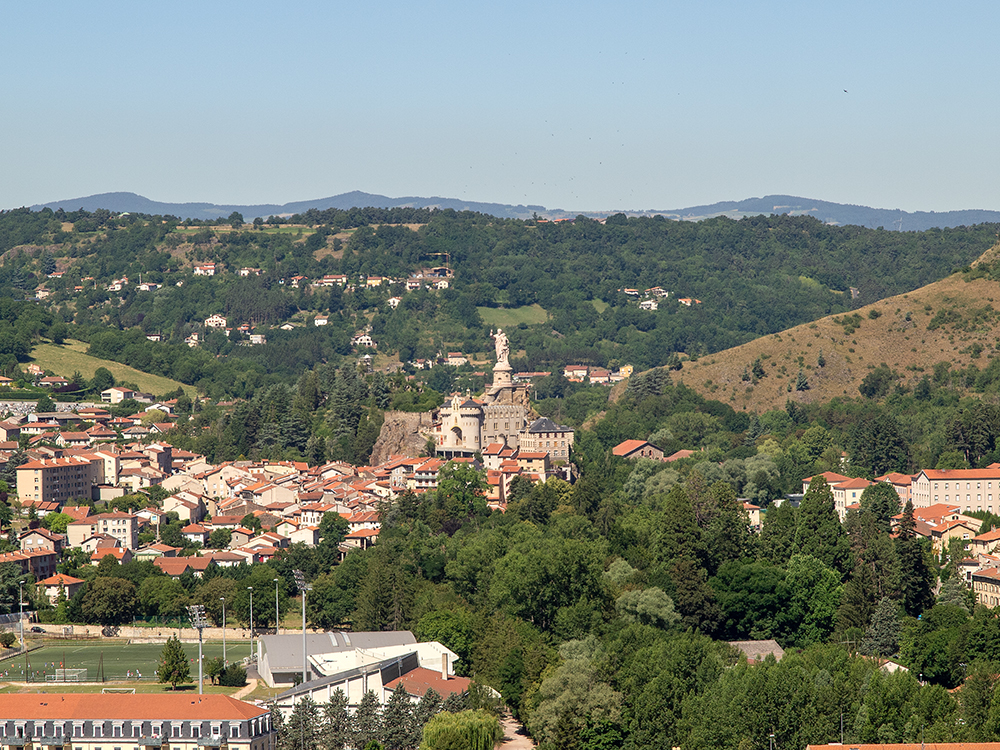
(836, 213)
(132, 203)
(833, 213)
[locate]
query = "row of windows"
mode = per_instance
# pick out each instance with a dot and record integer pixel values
(118, 729)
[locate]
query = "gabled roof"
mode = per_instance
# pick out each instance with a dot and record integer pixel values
(989, 536)
(831, 477)
(859, 483)
(630, 446)
(172, 566)
(60, 579)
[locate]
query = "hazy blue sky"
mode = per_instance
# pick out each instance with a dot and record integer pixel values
(574, 105)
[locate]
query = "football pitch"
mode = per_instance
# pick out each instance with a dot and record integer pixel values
(121, 660)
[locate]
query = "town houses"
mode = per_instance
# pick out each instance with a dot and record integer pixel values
(263, 506)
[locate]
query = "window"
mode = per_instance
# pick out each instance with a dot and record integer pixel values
(177, 731)
(77, 730)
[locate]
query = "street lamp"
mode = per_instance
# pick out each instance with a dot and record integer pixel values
(20, 604)
(250, 589)
(223, 600)
(198, 620)
(276, 616)
(300, 581)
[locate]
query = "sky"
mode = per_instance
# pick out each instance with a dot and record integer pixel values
(573, 105)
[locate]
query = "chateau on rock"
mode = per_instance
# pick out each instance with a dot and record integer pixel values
(467, 426)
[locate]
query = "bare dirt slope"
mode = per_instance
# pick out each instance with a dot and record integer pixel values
(953, 320)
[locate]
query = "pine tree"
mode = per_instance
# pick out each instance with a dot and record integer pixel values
(367, 721)
(954, 592)
(693, 596)
(819, 532)
(801, 383)
(173, 666)
(426, 709)
(882, 636)
(454, 703)
(915, 575)
(882, 501)
(336, 722)
(397, 720)
(777, 536)
(679, 534)
(303, 731)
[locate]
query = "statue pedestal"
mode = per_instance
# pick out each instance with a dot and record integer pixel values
(502, 375)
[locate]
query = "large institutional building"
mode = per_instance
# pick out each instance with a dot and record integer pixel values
(971, 489)
(88, 721)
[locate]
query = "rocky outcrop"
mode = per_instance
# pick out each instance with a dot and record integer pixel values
(403, 433)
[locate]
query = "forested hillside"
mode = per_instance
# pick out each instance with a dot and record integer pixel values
(748, 278)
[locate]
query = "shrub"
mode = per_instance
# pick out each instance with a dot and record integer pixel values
(235, 675)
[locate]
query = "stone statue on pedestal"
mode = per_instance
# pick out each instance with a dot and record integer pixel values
(502, 348)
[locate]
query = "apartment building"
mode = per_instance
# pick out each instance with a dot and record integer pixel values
(59, 479)
(121, 526)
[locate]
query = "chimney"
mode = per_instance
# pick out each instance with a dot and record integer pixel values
(444, 667)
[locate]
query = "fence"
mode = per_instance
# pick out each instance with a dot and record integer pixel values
(13, 653)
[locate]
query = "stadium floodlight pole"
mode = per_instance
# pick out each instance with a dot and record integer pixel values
(250, 589)
(223, 600)
(300, 581)
(20, 620)
(276, 616)
(199, 621)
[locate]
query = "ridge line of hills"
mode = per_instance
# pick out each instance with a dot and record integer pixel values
(825, 211)
(945, 331)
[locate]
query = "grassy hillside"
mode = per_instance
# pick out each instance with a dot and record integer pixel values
(954, 321)
(511, 317)
(72, 357)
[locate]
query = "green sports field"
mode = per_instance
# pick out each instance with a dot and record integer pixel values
(120, 658)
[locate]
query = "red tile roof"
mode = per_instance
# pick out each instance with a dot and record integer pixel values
(418, 681)
(623, 449)
(60, 579)
(138, 707)
(961, 473)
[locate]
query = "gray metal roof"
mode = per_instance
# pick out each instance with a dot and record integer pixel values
(284, 652)
(390, 668)
(544, 424)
